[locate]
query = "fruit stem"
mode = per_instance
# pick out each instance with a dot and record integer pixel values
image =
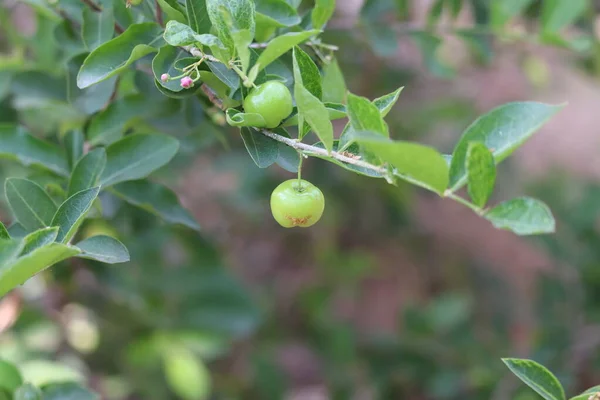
(301, 156)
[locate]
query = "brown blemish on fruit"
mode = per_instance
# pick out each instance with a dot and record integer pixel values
(298, 221)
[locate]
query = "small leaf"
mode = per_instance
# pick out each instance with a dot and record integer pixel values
(178, 34)
(157, 199)
(3, 232)
(237, 118)
(32, 207)
(17, 143)
(172, 13)
(334, 85)
(322, 11)
(68, 391)
(104, 249)
(72, 212)
(115, 55)
(98, 27)
(385, 103)
(315, 114)
(263, 150)
(481, 172)
(87, 171)
(278, 47)
(23, 268)
(37, 239)
(523, 216)
(136, 156)
(502, 130)
(198, 16)
(365, 116)
(311, 78)
(73, 142)
(537, 377)
(10, 377)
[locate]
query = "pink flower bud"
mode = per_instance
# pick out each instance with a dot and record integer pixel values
(187, 82)
(164, 77)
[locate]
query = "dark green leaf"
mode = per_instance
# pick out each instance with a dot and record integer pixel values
(104, 249)
(334, 85)
(87, 171)
(98, 27)
(239, 119)
(557, 14)
(68, 391)
(165, 62)
(481, 173)
(23, 268)
(17, 231)
(365, 116)
(37, 239)
(157, 199)
(173, 13)
(136, 156)
(115, 55)
(309, 72)
(16, 143)
(32, 207)
(321, 13)
(288, 158)
(198, 16)
(73, 142)
(263, 150)
(502, 130)
(276, 13)
(72, 212)
(523, 216)
(3, 232)
(537, 377)
(10, 377)
(226, 75)
(385, 103)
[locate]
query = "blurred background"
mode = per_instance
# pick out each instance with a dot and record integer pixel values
(395, 294)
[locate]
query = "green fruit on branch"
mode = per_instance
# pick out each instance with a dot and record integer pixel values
(297, 203)
(272, 100)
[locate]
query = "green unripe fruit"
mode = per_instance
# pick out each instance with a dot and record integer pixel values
(272, 100)
(296, 203)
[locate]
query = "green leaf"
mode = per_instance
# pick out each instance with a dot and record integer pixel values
(481, 172)
(312, 111)
(198, 15)
(309, 72)
(68, 391)
(523, 216)
(418, 164)
(87, 171)
(73, 142)
(72, 212)
(558, 14)
(385, 103)
(16, 143)
(226, 75)
(10, 377)
(23, 268)
(333, 83)
(239, 119)
(276, 13)
(185, 374)
(502, 130)
(365, 116)
(537, 377)
(28, 392)
(32, 207)
(335, 111)
(37, 239)
(503, 11)
(288, 158)
(278, 47)
(3, 232)
(136, 156)
(587, 394)
(178, 34)
(156, 199)
(165, 62)
(435, 12)
(9, 251)
(98, 27)
(172, 13)
(44, 373)
(104, 249)
(117, 54)
(322, 11)
(263, 150)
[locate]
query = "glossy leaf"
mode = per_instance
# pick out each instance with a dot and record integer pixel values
(322, 11)
(68, 391)
(117, 54)
(98, 27)
(23, 268)
(87, 171)
(523, 216)
(481, 173)
(263, 150)
(16, 143)
(10, 377)
(385, 103)
(278, 47)
(136, 156)
(156, 199)
(365, 116)
(239, 119)
(37, 239)
(172, 13)
(104, 249)
(72, 212)
(311, 77)
(333, 83)
(30, 204)
(198, 15)
(502, 130)
(537, 377)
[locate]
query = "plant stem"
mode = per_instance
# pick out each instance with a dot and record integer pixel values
(464, 202)
(300, 169)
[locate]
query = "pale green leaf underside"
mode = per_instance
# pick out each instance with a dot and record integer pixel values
(30, 204)
(523, 216)
(72, 213)
(537, 377)
(103, 248)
